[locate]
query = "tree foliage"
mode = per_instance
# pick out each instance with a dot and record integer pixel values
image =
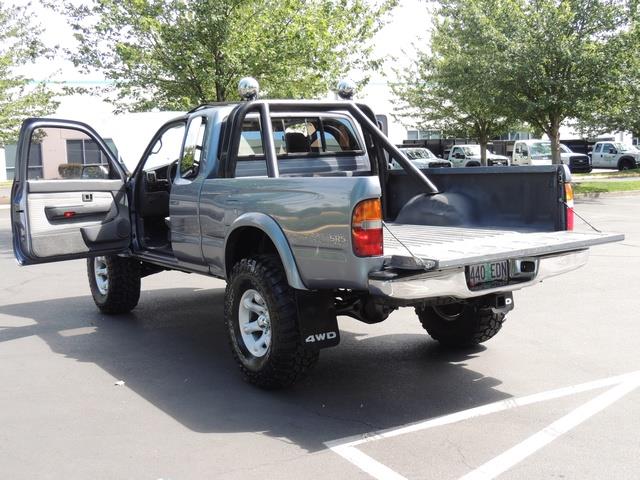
(562, 60)
(540, 62)
(453, 87)
(173, 54)
(19, 96)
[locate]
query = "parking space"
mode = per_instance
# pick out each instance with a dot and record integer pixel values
(184, 413)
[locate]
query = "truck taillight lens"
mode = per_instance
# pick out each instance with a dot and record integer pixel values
(366, 228)
(568, 195)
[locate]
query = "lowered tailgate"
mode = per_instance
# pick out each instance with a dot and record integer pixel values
(451, 247)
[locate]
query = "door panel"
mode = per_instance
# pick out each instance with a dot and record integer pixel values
(69, 200)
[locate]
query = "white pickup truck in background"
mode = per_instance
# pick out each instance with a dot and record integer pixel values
(615, 155)
(538, 152)
(469, 156)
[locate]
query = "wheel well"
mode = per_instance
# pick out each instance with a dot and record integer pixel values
(245, 242)
(473, 164)
(623, 160)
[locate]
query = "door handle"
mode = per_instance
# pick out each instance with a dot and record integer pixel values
(87, 197)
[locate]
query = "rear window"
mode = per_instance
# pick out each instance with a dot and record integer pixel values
(304, 145)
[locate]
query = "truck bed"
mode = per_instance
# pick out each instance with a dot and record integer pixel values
(453, 247)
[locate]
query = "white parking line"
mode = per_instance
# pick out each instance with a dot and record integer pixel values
(516, 454)
(623, 384)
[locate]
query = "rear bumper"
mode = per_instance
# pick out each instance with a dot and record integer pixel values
(453, 283)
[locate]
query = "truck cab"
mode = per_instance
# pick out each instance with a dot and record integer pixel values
(469, 156)
(531, 152)
(610, 154)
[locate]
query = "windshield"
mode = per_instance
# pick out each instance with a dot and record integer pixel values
(621, 147)
(418, 153)
(419, 162)
(565, 149)
(540, 149)
(472, 150)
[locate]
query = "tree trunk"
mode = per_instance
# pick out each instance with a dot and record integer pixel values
(554, 136)
(483, 153)
(483, 139)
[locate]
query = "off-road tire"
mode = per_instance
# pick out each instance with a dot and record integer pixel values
(123, 291)
(460, 325)
(287, 359)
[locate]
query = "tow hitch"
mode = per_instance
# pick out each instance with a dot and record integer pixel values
(500, 303)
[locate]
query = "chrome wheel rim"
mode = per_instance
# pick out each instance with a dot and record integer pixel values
(254, 323)
(101, 274)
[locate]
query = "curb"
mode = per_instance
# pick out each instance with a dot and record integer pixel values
(621, 193)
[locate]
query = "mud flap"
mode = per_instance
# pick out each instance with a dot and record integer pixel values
(317, 319)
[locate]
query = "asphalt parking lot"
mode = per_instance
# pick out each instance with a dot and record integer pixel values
(555, 395)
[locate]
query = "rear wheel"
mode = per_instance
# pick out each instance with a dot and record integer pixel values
(114, 283)
(460, 324)
(262, 323)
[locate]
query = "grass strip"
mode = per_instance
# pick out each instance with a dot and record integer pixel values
(604, 187)
(625, 173)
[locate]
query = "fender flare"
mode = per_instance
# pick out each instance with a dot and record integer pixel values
(273, 231)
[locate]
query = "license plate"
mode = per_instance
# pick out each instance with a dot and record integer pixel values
(484, 275)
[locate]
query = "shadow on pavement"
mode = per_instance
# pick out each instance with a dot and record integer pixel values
(172, 350)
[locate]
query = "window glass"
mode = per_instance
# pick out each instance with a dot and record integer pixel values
(472, 150)
(340, 135)
(607, 147)
(599, 147)
(65, 154)
(193, 148)
(303, 144)
(302, 135)
(251, 161)
(166, 148)
(542, 149)
(277, 125)
(250, 139)
(74, 151)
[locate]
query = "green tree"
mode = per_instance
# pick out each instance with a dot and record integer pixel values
(562, 60)
(173, 54)
(618, 111)
(452, 86)
(19, 96)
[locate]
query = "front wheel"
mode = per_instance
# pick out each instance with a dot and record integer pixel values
(460, 324)
(262, 323)
(114, 283)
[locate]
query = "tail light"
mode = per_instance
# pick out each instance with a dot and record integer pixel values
(568, 198)
(366, 228)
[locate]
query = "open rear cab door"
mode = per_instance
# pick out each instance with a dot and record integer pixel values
(68, 198)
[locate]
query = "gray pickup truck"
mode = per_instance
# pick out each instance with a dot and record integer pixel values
(293, 203)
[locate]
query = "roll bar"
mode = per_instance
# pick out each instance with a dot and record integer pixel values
(265, 107)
